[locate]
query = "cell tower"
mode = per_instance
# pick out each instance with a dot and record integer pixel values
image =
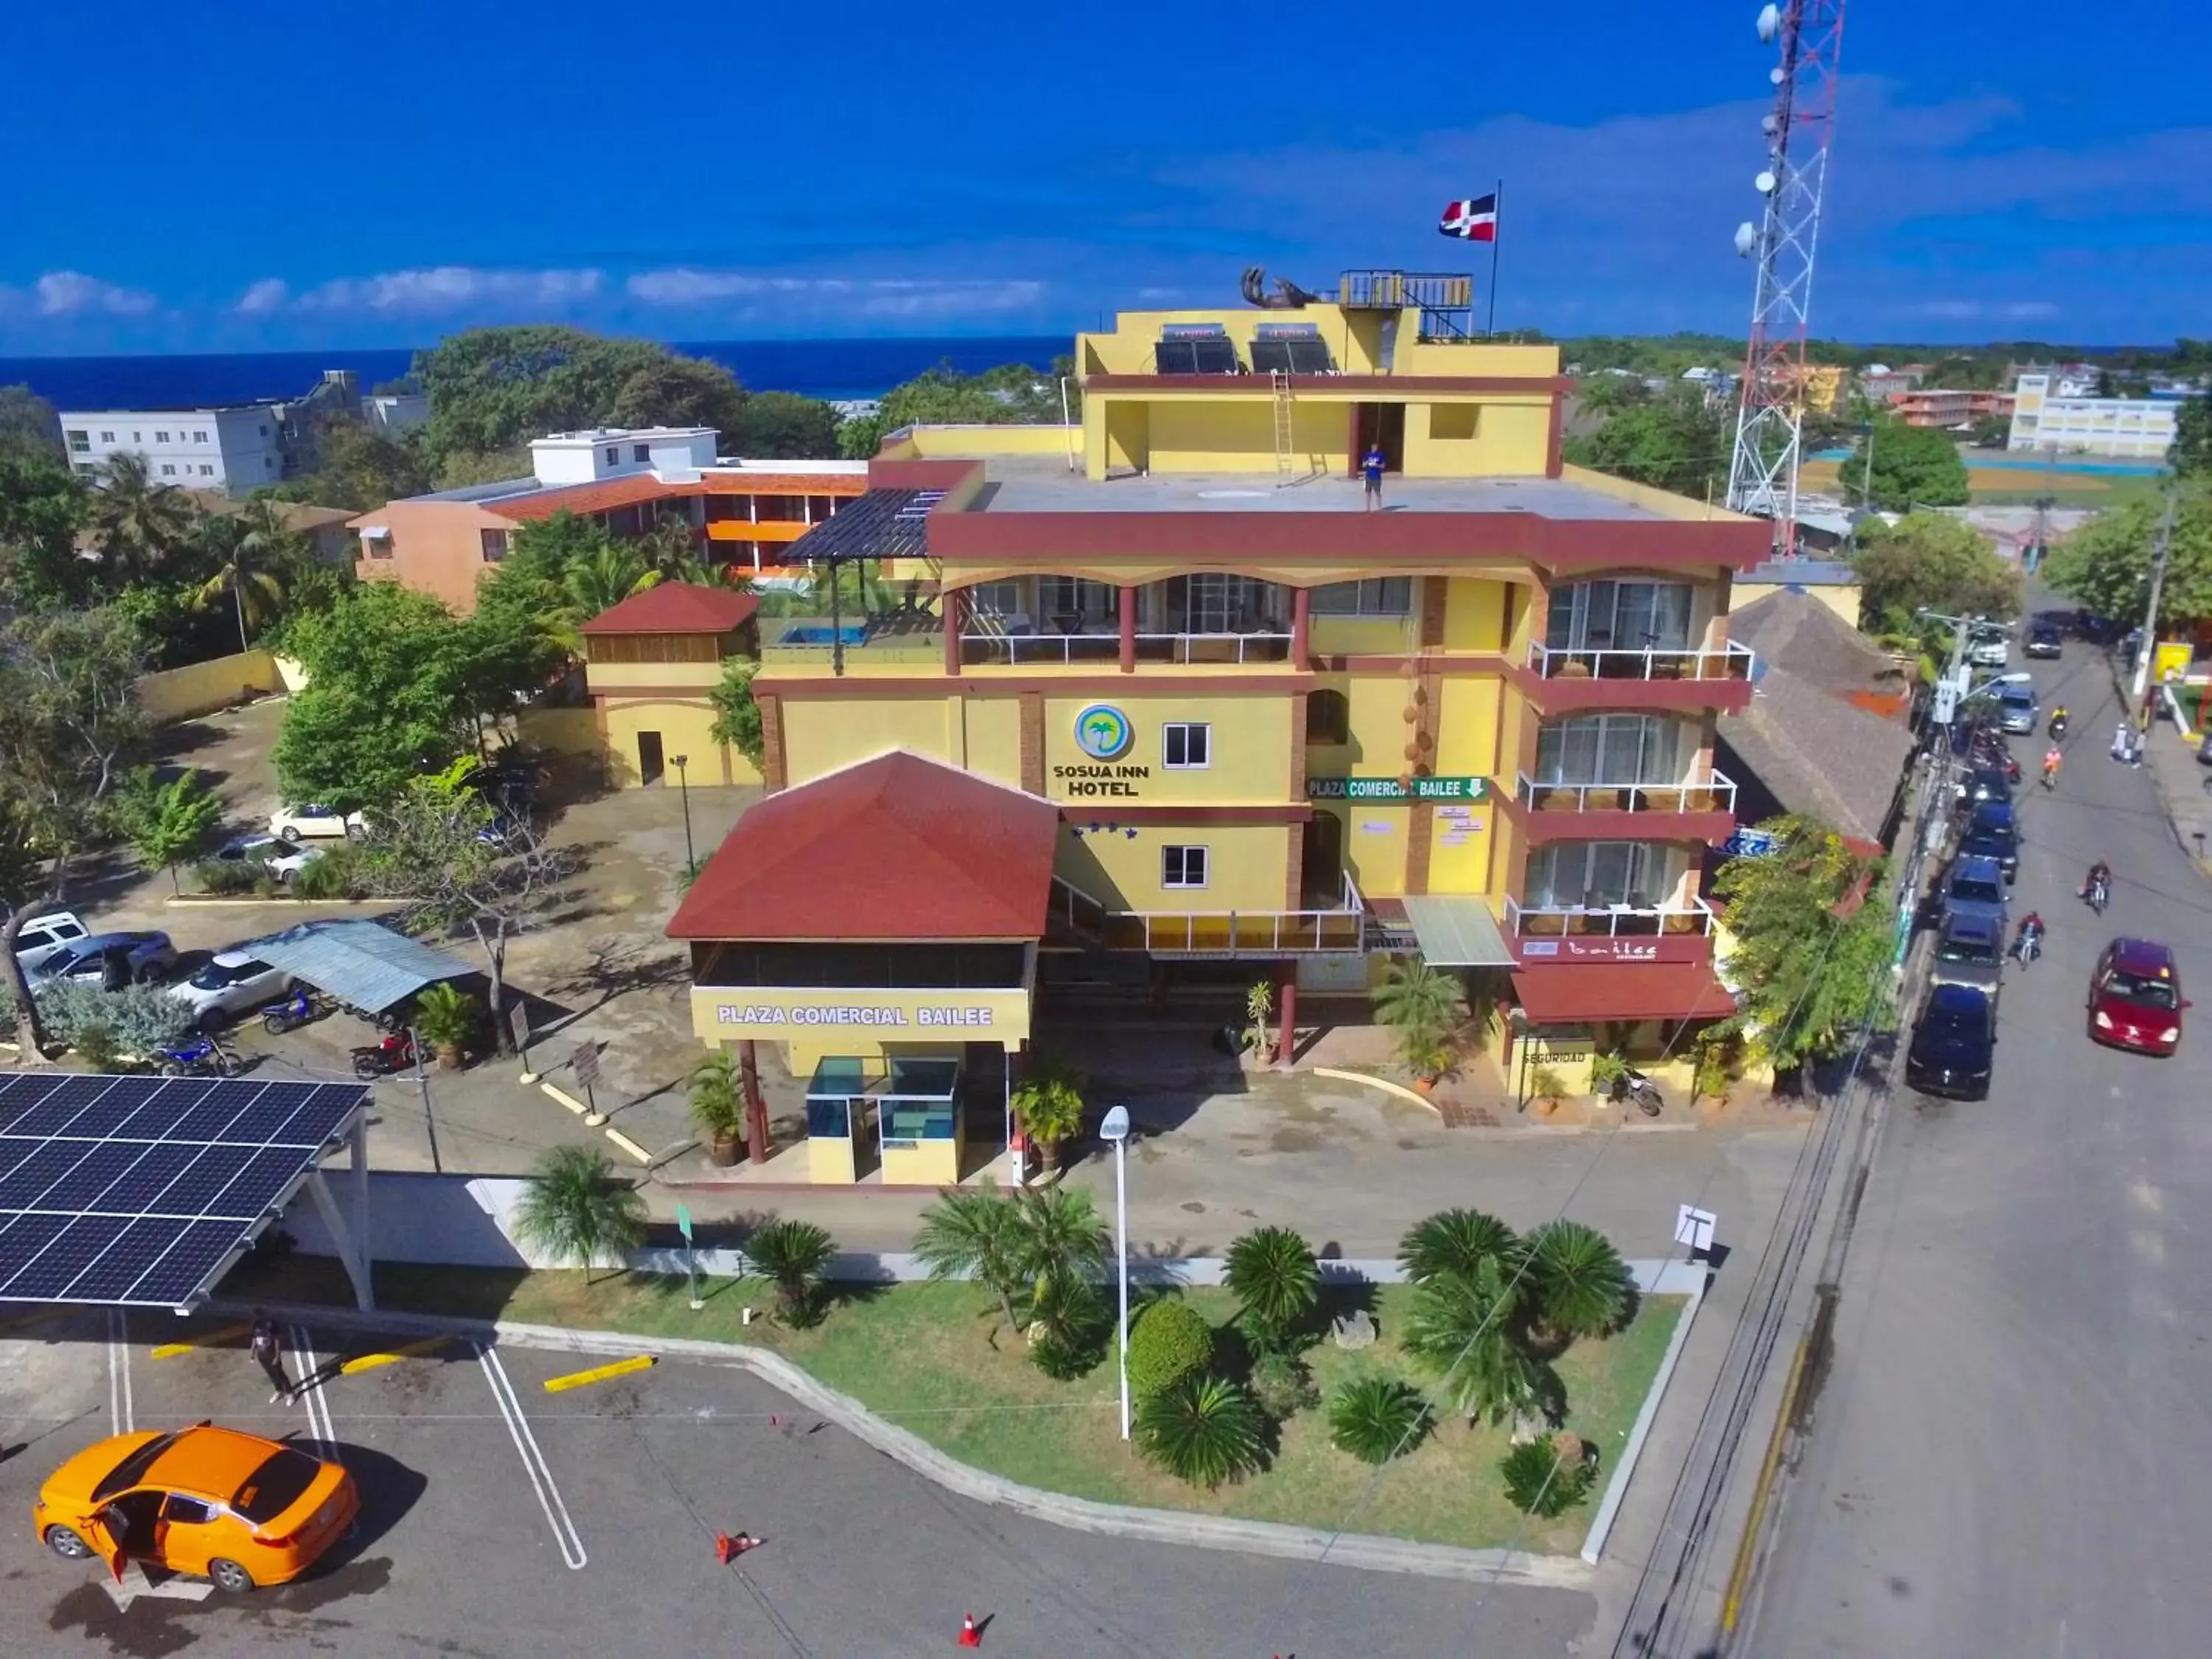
(1763, 470)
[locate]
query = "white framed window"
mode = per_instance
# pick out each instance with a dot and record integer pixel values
(1186, 746)
(1595, 875)
(1610, 749)
(1620, 615)
(998, 600)
(160, 437)
(614, 455)
(1072, 602)
(137, 437)
(80, 443)
(1182, 866)
(168, 470)
(107, 437)
(206, 471)
(264, 431)
(641, 453)
(199, 437)
(1376, 596)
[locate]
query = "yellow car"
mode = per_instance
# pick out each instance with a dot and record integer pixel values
(211, 1502)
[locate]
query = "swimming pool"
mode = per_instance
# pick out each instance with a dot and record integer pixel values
(823, 634)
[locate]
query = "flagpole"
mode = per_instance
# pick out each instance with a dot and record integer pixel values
(1496, 225)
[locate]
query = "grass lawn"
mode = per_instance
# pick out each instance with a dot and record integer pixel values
(938, 1360)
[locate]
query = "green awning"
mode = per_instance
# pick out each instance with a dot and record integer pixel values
(1457, 931)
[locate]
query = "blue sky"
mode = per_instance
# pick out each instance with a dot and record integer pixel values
(268, 174)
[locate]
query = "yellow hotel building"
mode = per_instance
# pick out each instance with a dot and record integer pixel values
(1282, 722)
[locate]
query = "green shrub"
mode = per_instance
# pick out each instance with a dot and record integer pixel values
(1282, 1384)
(136, 1020)
(217, 877)
(1170, 1340)
(95, 1046)
(1547, 1477)
(1203, 1430)
(1377, 1417)
(336, 875)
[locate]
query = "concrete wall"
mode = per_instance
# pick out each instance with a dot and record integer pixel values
(435, 547)
(1846, 600)
(180, 694)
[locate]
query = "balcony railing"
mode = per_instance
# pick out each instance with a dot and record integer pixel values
(1608, 921)
(1216, 932)
(1717, 794)
(1023, 650)
(1730, 662)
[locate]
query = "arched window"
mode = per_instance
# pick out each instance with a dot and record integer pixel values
(1328, 717)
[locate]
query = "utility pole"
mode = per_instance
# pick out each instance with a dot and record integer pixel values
(2149, 649)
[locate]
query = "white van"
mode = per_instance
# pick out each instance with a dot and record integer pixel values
(44, 935)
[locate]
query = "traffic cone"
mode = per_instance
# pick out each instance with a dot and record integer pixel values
(969, 1636)
(726, 1548)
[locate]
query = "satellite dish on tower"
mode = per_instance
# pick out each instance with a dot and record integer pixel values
(1769, 25)
(1747, 239)
(1763, 182)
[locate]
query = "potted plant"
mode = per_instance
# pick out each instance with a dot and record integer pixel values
(1427, 1054)
(718, 1106)
(1607, 1071)
(1550, 1089)
(1048, 1105)
(1259, 1005)
(1422, 1006)
(445, 1020)
(1715, 1072)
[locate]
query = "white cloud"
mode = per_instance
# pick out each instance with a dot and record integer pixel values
(265, 296)
(448, 288)
(2011, 311)
(850, 296)
(71, 294)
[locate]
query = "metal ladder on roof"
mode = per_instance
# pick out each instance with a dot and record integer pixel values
(1284, 426)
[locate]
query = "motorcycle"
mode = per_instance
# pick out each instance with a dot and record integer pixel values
(2099, 893)
(1632, 1085)
(2028, 945)
(2057, 726)
(197, 1057)
(298, 1009)
(395, 1053)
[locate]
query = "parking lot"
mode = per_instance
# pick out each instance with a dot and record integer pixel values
(500, 1518)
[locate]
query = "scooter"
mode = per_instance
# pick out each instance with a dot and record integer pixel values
(300, 1008)
(2028, 946)
(198, 1057)
(1632, 1085)
(2097, 893)
(2057, 727)
(395, 1053)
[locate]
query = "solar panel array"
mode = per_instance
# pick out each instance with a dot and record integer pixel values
(1196, 356)
(129, 1190)
(1291, 354)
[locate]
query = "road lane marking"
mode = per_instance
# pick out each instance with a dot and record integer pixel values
(120, 1408)
(171, 1350)
(565, 1536)
(369, 1362)
(601, 1373)
(135, 1583)
(308, 1391)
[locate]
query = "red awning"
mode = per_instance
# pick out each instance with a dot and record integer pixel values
(1560, 993)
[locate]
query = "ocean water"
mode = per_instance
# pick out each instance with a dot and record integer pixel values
(816, 368)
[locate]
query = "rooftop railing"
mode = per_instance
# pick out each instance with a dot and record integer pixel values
(1608, 920)
(1216, 932)
(1716, 794)
(1730, 662)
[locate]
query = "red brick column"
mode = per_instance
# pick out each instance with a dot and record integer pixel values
(755, 1103)
(771, 713)
(1301, 624)
(1286, 1045)
(1033, 742)
(1128, 622)
(953, 607)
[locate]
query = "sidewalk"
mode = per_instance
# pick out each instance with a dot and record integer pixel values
(2171, 759)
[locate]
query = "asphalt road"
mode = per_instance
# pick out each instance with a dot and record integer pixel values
(2006, 1453)
(500, 1519)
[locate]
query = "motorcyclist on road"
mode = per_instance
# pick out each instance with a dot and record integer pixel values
(2028, 945)
(2058, 718)
(2052, 760)
(2098, 888)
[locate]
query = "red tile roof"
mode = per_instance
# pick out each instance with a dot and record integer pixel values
(675, 608)
(897, 848)
(590, 498)
(1641, 990)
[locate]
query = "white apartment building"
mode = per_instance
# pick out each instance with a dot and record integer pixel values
(2124, 428)
(236, 450)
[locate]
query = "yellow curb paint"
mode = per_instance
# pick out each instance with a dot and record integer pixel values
(567, 1099)
(171, 1350)
(630, 1145)
(1383, 1084)
(643, 1362)
(369, 1362)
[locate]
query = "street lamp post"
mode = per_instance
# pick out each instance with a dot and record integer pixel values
(684, 786)
(1115, 1130)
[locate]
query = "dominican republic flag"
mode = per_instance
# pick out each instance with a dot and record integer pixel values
(1475, 220)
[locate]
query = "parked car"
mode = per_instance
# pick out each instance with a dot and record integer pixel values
(2045, 639)
(1970, 951)
(1953, 1044)
(1982, 786)
(233, 982)
(284, 859)
(313, 823)
(1993, 832)
(1989, 647)
(2016, 709)
(2135, 997)
(213, 1503)
(1975, 887)
(43, 936)
(113, 960)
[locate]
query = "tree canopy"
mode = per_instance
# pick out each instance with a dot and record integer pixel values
(2191, 455)
(1678, 441)
(28, 424)
(1926, 560)
(1913, 467)
(783, 425)
(1812, 930)
(2105, 564)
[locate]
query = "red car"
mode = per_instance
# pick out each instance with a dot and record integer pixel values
(2135, 997)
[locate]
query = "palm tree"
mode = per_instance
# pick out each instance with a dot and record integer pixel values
(1049, 1104)
(795, 1255)
(1063, 1242)
(1203, 1430)
(577, 1210)
(1456, 1242)
(1466, 1330)
(1377, 1417)
(1273, 1274)
(717, 1104)
(139, 521)
(1424, 1005)
(976, 1234)
(604, 578)
(256, 555)
(1578, 1285)
(669, 550)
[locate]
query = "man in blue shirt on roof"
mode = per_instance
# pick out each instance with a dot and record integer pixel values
(1371, 466)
